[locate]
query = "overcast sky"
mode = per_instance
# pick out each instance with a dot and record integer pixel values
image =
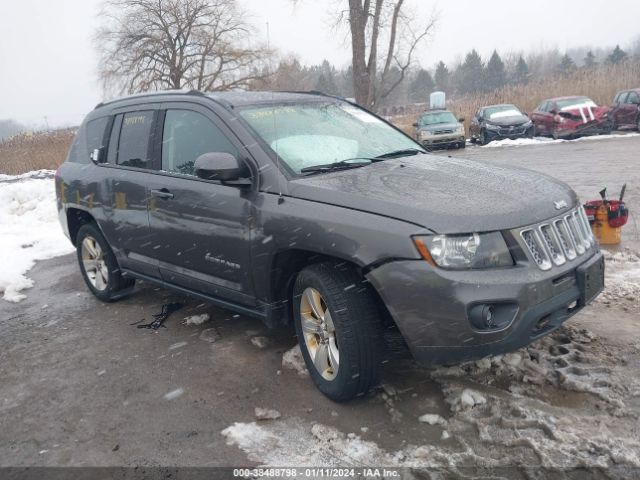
(48, 62)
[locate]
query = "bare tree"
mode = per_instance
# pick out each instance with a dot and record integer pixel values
(166, 44)
(383, 40)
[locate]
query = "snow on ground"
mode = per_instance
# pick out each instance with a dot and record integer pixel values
(519, 142)
(29, 229)
(507, 411)
(622, 277)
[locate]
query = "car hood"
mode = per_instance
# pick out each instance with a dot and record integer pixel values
(445, 195)
(508, 121)
(440, 126)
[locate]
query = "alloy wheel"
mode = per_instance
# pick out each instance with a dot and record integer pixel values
(319, 333)
(94, 263)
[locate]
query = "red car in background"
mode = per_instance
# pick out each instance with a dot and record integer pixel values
(625, 111)
(568, 117)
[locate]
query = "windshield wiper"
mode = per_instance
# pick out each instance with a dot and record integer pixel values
(342, 165)
(399, 153)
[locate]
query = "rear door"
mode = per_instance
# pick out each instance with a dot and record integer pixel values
(202, 228)
(130, 158)
(539, 118)
(630, 109)
(618, 108)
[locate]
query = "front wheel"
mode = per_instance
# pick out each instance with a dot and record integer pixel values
(483, 138)
(339, 330)
(99, 266)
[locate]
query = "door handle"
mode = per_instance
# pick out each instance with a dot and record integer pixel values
(162, 193)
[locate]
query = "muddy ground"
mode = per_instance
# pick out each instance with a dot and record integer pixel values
(81, 385)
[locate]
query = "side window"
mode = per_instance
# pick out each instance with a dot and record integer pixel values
(95, 134)
(621, 97)
(542, 107)
(186, 136)
(135, 137)
(633, 98)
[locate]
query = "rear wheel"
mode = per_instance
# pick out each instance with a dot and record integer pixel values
(339, 330)
(99, 266)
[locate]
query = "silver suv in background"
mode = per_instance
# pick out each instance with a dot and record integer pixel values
(439, 128)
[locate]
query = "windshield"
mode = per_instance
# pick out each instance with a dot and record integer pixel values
(502, 111)
(306, 135)
(439, 117)
(575, 103)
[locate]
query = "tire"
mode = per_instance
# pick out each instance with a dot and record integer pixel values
(638, 124)
(554, 134)
(350, 336)
(105, 282)
(483, 138)
(462, 145)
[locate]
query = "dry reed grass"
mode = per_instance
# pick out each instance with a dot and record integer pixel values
(34, 151)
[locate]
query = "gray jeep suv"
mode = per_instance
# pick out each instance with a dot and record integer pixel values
(306, 209)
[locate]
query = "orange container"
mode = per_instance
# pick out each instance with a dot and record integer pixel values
(605, 234)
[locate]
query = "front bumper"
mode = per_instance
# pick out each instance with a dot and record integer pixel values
(568, 130)
(443, 140)
(508, 133)
(431, 306)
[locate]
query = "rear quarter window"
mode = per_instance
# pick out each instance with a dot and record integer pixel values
(89, 137)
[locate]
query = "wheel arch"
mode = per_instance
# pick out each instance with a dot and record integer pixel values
(76, 218)
(285, 267)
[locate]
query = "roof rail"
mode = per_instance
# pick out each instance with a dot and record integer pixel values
(150, 94)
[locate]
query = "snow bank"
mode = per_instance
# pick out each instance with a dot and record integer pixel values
(519, 142)
(29, 230)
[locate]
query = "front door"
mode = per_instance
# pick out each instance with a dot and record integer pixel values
(202, 228)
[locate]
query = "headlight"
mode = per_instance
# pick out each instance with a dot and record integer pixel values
(425, 134)
(458, 252)
(460, 129)
(528, 124)
(491, 126)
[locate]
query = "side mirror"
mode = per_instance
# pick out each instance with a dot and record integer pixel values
(553, 111)
(461, 119)
(97, 155)
(415, 125)
(222, 166)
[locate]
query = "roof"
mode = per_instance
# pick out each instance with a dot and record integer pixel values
(232, 98)
(568, 97)
(499, 105)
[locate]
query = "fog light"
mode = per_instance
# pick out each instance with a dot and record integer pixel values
(482, 317)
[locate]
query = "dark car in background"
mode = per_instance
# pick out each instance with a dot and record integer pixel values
(497, 122)
(305, 209)
(439, 128)
(571, 117)
(625, 111)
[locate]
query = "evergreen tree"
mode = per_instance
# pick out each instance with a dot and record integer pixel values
(495, 74)
(470, 74)
(521, 73)
(442, 77)
(590, 59)
(617, 56)
(421, 86)
(566, 65)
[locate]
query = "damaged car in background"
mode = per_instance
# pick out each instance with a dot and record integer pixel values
(306, 209)
(571, 117)
(499, 122)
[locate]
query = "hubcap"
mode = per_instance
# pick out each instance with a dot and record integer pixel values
(94, 264)
(319, 333)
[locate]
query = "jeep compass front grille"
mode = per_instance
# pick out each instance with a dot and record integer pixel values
(558, 240)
